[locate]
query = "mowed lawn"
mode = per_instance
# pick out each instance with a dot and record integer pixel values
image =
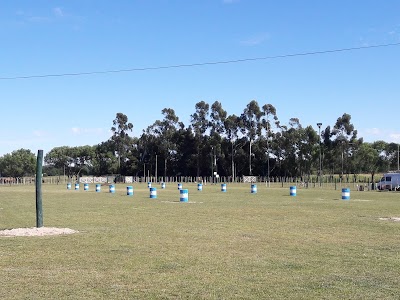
(219, 245)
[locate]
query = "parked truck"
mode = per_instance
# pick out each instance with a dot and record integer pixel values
(389, 181)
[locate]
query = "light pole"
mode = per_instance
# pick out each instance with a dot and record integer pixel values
(156, 169)
(212, 164)
(319, 139)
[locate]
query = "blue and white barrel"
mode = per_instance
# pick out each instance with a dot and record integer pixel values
(86, 187)
(69, 185)
(254, 189)
(129, 190)
(163, 185)
(199, 186)
(223, 187)
(153, 193)
(293, 191)
(76, 186)
(111, 188)
(98, 188)
(184, 195)
(179, 186)
(345, 194)
(149, 184)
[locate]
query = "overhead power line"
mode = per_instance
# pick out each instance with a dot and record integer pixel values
(200, 64)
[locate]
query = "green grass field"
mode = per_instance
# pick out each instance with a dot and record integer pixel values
(233, 245)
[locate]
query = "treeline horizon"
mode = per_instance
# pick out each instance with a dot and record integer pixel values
(252, 143)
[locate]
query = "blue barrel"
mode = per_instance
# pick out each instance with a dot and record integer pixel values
(223, 187)
(76, 186)
(86, 187)
(179, 186)
(98, 188)
(254, 188)
(293, 191)
(129, 190)
(199, 186)
(345, 194)
(112, 188)
(163, 185)
(153, 193)
(184, 195)
(69, 186)
(149, 184)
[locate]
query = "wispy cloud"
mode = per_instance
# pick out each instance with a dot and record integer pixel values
(58, 12)
(373, 131)
(40, 133)
(377, 134)
(395, 137)
(92, 131)
(255, 39)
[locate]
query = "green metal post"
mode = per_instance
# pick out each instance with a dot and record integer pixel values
(39, 209)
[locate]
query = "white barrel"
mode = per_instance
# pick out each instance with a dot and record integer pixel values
(129, 190)
(293, 191)
(153, 193)
(345, 194)
(223, 187)
(184, 195)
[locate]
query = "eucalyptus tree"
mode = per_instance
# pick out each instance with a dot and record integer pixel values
(251, 126)
(18, 163)
(104, 161)
(308, 149)
(120, 137)
(267, 111)
(217, 129)
(59, 158)
(367, 159)
(199, 125)
(345, 139)
(232, 127)
(393, 152)
(147, 147)
(165, 132)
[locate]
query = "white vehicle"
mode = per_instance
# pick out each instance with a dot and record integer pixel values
(389, 181)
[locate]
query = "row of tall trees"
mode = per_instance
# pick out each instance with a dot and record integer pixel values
(252, 143)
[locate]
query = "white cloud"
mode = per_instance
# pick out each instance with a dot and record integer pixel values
(373, 131)
(395, 137)
(58, 12)
(39, 133)
(255, 39)
(92, 131)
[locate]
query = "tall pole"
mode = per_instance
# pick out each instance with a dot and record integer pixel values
(39, 207)
(319, 139)
(156, 169)
(250, 157)
(212, 164)
(268, 150)
(398, 157)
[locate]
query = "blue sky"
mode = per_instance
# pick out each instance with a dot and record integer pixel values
(58, 37)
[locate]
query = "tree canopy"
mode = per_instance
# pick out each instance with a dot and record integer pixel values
(255, 142)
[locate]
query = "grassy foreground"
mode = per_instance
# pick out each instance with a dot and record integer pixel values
(233, 245)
